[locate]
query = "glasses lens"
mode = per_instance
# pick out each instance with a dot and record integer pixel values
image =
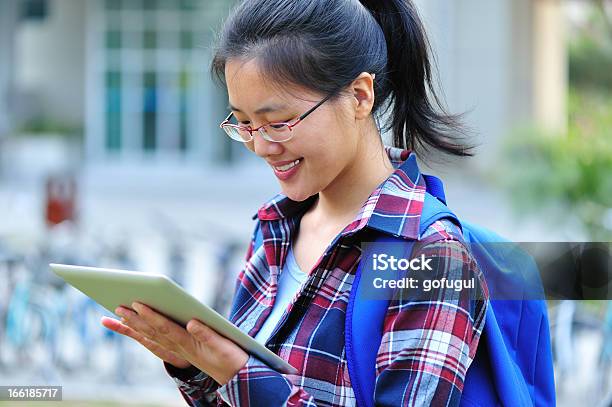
(238, 134)
(277, 132)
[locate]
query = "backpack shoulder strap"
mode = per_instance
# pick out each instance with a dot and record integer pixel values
(365, 317)
(363, 333)
(434, 206)
(434, 210)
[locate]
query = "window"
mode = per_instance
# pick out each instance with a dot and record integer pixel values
(34, 9)
(158, 98)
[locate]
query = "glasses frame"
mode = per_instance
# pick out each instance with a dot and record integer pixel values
(225, 124)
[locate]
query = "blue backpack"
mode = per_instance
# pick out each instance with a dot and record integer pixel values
(513, 362)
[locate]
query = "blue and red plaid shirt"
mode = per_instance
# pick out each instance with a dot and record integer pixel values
(426, 348)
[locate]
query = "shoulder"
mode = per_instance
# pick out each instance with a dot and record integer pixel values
(442, 229)
(444, 243)
(444, 238)
(453, 282)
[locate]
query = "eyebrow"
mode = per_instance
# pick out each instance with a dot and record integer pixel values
(265, 109)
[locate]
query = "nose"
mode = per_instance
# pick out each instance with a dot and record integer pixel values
(264, 148)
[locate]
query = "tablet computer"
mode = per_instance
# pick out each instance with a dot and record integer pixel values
(112, 288)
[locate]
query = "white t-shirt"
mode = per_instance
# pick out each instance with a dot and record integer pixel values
(289, 282)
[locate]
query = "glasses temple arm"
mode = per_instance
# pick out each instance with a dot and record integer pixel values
(315, 107)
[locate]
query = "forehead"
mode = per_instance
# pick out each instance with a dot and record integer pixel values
(245, 77)
(249, 89)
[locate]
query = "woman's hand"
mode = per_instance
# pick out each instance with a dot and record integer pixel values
(198, 345)
(154, 347)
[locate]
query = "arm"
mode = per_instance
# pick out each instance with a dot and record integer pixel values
(258, 384)
(429, 342)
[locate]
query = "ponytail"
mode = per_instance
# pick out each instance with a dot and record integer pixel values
(419, 119)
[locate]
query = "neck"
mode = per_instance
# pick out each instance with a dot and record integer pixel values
(344, 197)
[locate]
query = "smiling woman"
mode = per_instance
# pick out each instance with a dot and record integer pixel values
(308, 83)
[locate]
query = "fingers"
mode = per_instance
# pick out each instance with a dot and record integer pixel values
(223, 358)
(133, 321)
(165, 354)
(122, 329)
(157, 327)
(152, 346)
(158, 322)
(214, 345)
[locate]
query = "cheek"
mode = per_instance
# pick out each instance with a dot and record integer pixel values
(326, 162)
(328, 146)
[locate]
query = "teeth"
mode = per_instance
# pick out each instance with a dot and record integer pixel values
(288, 166)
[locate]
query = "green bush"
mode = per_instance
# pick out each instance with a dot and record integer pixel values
(41, 125)
(589, 65)
(571, 171)
(590, 51)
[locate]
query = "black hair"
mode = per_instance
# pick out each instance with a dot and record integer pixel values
(323, 45)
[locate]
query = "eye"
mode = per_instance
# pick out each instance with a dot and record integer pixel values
(242, 122)
(282, 122)
(277, 126)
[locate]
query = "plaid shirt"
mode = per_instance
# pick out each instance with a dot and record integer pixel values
(426, 348)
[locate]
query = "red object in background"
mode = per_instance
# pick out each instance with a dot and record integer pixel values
(61, 197)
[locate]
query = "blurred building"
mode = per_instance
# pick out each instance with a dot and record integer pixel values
(8, 21)
(134, 73)
(503, 62)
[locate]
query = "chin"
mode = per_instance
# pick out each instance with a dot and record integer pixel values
(297, 195)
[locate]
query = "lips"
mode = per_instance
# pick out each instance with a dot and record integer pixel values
(286, 169)
(280, 163)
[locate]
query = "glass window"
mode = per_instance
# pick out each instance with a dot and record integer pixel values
(188, 5)
(149, 123)
(113, 39)
(34, 9)
(153, 83)
(113, 111)
(133, 4)
(187, 39)
(183, 110)
(113, 4)
(150, 39)
(150, 5)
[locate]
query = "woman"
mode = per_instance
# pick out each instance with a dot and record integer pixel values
(307, 82)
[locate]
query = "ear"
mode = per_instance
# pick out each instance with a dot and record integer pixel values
(363, 95)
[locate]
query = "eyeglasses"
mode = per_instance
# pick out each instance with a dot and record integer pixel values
(276, 132)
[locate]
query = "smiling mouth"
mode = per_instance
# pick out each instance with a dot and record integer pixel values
(287, 167)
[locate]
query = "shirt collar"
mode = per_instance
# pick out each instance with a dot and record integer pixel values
(394, 207)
